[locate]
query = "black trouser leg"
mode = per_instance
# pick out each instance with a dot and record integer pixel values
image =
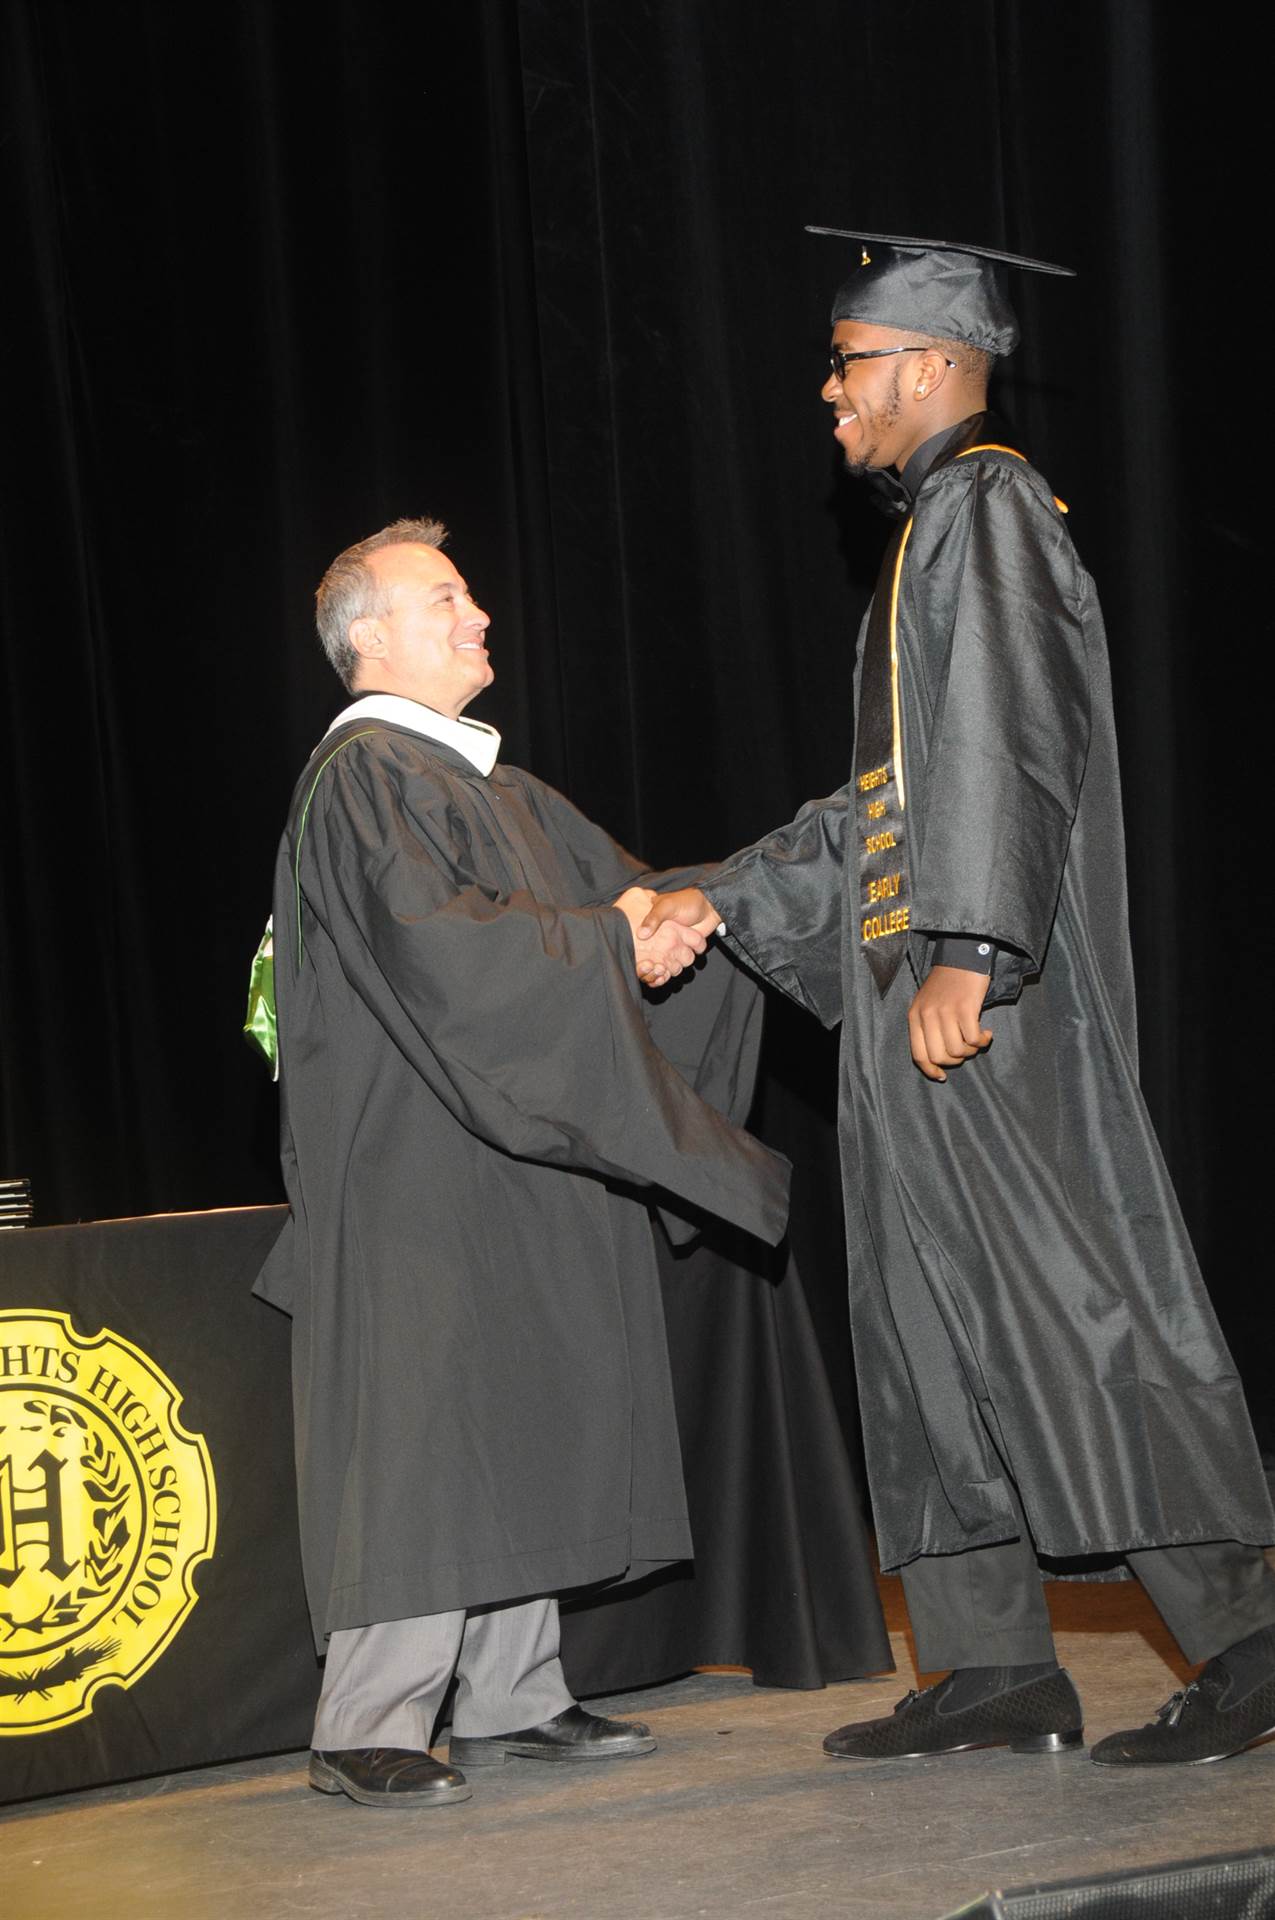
(984, 1608)
(1209, 1595)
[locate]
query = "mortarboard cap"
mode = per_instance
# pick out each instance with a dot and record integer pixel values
(944, 288)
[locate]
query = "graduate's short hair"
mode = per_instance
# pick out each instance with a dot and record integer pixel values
(974, 362)
(350, 589)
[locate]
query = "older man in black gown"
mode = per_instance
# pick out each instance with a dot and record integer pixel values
(474, 1115)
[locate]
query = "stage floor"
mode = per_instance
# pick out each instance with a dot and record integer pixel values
(738, 1813)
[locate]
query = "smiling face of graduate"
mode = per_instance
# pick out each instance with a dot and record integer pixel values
(430, 642)
(884, 409)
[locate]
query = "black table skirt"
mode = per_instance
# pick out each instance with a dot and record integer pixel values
(782, 1581)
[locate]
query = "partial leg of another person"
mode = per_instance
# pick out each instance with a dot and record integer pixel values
(1218, 1601)
(512, 1700)
(383, 1685)
(981, 1615)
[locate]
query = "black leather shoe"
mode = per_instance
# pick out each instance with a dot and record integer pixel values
(388, 1777)
(1041, 1716)
(1205, 1722)
(570, 1735)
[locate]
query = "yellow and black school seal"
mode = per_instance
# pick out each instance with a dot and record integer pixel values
(107, 1507)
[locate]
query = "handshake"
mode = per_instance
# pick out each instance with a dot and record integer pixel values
(670, 930)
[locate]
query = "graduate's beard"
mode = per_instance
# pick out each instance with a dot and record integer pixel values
(887, 415)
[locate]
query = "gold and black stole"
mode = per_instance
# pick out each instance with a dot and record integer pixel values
(880, 798)
(885, 910)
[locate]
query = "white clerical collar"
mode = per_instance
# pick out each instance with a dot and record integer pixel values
(479, 743)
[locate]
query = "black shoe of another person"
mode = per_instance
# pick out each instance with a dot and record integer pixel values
(1211, 1720)
(570, 1735)
(398, 1777)
(1041, 1716)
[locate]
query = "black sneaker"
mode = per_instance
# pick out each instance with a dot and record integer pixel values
(1203, 1722)
(1041, 1716)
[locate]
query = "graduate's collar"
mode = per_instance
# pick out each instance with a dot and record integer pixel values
(948, 443)
(895, 492)
(479, 743)
(928, 454)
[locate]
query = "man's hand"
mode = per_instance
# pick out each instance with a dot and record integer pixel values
(660, 951)
(943, 1020)
(685, 908)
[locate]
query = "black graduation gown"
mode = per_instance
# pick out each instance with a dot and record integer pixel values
(1023, 1292)
(473, 1113)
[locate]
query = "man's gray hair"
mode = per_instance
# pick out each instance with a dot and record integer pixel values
(350, 589)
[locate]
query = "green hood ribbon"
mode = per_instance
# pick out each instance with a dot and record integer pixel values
(260, 1025)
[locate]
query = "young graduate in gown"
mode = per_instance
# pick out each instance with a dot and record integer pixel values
(1040, 1370)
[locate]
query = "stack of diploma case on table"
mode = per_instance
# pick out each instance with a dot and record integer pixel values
(15, 1204)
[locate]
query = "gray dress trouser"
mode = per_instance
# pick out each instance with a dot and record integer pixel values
(986, 1607)
(384, 1684)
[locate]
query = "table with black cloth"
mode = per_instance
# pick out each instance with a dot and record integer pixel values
(782, 1581)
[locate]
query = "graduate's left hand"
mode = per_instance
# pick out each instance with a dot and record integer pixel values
(943, 1020)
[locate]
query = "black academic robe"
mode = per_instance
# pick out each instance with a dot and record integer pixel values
(1024, 1297)
(474, 1114)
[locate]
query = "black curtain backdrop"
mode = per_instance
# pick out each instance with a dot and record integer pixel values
(276, 275)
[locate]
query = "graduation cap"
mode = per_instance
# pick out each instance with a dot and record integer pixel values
(943, 288)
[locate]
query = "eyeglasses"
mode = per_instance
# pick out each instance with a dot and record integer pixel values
(839, 359)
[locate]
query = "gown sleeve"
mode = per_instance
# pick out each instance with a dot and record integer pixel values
(525, 1020)
(604, 868)
(781, 900)
(708, 1022)
(1010, 733)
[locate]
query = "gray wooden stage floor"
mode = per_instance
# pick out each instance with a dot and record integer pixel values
(737, 1813)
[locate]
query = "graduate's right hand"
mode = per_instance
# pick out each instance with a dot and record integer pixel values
(685, 907)
(662, 953)
(943, 1020)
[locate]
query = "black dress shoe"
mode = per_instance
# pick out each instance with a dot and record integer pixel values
(1204, 1722)
(1042, 1716)
(570, 1735)
(388, 1777)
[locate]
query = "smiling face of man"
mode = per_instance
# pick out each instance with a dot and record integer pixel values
(870, 424)
(885, 407)
(430, 643)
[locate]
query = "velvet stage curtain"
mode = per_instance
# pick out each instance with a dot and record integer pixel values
(277, 275)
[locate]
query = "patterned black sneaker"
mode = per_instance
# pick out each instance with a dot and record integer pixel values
(1041, 1716)
(1204, 1722)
